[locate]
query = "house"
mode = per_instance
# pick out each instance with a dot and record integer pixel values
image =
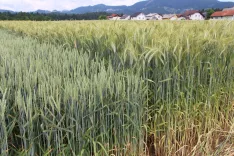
(113, 17)
(169, 17)
(193, 15)
(225, 15)
(153, 16)
(125, 17)
(138, 16)
(225, 9)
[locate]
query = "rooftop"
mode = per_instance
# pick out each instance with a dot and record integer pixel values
(136, 14)
(223, 13)
(124, 16)
(225, 9)
(190, 12)
(168, 16)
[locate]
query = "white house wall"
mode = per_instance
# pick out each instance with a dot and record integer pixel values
(139, 17)
(173, 18)
(196, 16)
(228, 18)
(224, 18)
(153, 16)
(127, 18)
(159, 17)
(115, 18)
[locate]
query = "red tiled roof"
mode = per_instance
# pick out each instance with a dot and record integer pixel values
(223, 13)
(115, 15)
(179, 15)
(190, 12)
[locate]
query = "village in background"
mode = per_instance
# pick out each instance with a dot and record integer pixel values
(225, 14)
(205, 14)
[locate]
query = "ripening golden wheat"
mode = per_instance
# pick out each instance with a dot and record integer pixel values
(117, 88)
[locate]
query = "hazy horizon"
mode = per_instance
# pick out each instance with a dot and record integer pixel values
(28, 5)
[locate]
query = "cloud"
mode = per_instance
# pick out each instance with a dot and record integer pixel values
(32, 5)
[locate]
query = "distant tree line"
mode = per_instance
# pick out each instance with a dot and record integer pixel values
(52, 16)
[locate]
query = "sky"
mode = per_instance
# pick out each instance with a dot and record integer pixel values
(32, 5)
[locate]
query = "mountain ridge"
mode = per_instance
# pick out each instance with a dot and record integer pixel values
(159, 6)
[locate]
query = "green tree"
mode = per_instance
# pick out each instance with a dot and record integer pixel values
(209, 13)
(102, 17)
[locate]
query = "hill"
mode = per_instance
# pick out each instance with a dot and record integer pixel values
(2, 10)
(160, 6)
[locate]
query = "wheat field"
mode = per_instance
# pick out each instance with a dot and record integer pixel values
(117, 88)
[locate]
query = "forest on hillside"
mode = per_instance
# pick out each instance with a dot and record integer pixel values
(50, 16)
